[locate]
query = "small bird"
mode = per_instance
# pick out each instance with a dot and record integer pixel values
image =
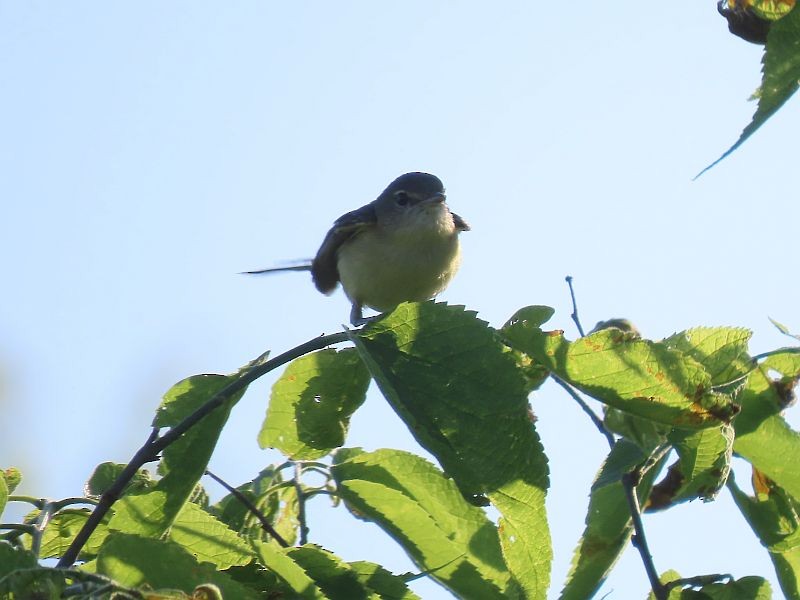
(401, 247)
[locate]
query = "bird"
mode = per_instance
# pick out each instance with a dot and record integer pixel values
(401, 247)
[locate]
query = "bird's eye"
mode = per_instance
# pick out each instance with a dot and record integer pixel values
(401, 198)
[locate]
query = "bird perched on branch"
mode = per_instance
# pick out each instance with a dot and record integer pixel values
(401, 247)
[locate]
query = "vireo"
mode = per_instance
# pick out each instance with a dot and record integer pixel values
(401, 247)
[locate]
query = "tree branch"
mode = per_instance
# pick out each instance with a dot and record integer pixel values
(155, 444)
(629, 480)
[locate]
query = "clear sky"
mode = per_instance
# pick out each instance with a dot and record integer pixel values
(149, 151)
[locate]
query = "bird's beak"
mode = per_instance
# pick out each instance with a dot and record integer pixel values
(437, 197)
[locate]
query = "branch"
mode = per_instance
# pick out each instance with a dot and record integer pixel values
(265, 524)
(154, 445)
(598, 422)
(574, 314)
(639, 540)
(629, 480)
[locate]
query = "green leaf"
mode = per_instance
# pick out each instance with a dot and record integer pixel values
(703, 465)
(62, 529)
(668, 577)
(3, 493)
(721, 350)
(448, 376)
(608, 521)
(646, 434)
(106, 473)
(183, 462)
(647, 379)
(292, 574)
(385, 583)
(781, 68)
(311, 404)
(746, 588)
(774, 519)
(12, 559)
(763, 436)
(277, 504)
(783, 329)
(132, 560)
(426, 514)
(334, 577)
(34, 584)
(208, 539)
(13, 477)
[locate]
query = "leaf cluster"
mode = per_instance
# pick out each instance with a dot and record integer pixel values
(675, 412)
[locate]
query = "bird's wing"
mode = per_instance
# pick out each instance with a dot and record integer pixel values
(323, 269)
(460, 223)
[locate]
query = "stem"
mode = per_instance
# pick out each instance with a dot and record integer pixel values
(789, 350)
(59, 504)
(38, 526)
(574, 314)
(629, 483)
(598, 422)
(155, 444)
(23, 527)
(301, 502)
(639, 540)
(37, 502)
(265, 524)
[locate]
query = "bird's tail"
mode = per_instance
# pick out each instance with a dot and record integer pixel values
(304, 265)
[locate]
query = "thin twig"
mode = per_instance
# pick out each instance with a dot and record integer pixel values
(574, 314)
(639, 540)
(598, 422)
(788, 350)
(265, 524)
(155, 444)
(629, 480)
(59, 504)
(301, 502)
(37, 502)
(22, 527)
(39, 526)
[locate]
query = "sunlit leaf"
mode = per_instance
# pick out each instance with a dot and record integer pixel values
(12, 477)
(290, 573)
(762, 434)
(208, 539)
(461, 394)
(63, 527)
(275, 501)
(106, 473)
(311, 404)
(182, 463)
(608, 521)
(721, 350)
(773, 517)
(781, 75)
(136, 561)
(426, 514)
(333, 576)
(704, 461)
(647, 379)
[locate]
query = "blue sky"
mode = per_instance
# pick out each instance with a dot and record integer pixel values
(151, 151)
